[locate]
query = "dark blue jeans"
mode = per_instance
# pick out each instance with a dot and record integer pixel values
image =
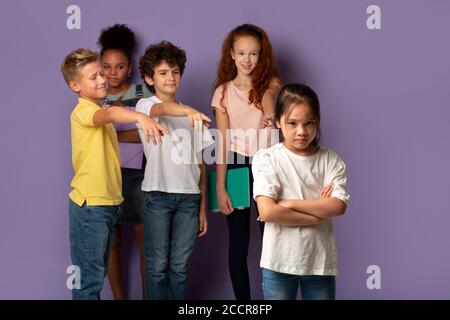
(283, 286)
(91, 231)
(133, 203)
(171, 223)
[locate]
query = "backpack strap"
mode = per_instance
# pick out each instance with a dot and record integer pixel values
(139, 91)
(104, 101)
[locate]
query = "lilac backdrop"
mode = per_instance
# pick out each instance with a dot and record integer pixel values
(384, 96)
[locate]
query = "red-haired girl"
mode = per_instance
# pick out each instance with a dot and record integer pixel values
(244, 101)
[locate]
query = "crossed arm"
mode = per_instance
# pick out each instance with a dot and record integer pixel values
(319, 208)
(295, 212)
(271, 211)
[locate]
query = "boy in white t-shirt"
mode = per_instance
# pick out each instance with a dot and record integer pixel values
(174, 180)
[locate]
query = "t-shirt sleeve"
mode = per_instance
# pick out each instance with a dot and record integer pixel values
(215, 103)
(265, 179)
(145, 106)
(339, 180)
(85, 115)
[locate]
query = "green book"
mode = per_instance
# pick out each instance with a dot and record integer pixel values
(238, 188)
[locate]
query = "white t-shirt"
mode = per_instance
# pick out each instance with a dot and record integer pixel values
(173, 166)
(281, 174)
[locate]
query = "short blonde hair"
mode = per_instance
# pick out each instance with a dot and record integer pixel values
(74, 61)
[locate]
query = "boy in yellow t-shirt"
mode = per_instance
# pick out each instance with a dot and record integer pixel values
(97, 184)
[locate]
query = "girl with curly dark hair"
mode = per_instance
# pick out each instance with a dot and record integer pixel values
(118, 43)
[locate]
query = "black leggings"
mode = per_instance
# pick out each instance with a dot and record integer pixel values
(239, 236)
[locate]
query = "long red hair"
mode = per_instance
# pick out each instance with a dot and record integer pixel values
(265, 71)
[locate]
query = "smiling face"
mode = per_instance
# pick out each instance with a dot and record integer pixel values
(299, 126)
(245, 53)
(116, 68)
(90, 85)
(165, 80)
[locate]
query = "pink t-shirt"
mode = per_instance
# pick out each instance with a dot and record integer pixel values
(246, 132)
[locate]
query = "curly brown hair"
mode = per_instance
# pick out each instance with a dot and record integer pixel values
(265, 71)
(156, 54)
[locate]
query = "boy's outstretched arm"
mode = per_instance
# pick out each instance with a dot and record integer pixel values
(174, 109)
(122, 115)
(203, 228)
(271, 211)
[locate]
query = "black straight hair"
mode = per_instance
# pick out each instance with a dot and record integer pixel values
(298, 93)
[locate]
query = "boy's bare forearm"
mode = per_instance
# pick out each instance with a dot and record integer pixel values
(116, 115)
(171, 109)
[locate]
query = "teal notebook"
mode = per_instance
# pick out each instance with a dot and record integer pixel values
(238, 187)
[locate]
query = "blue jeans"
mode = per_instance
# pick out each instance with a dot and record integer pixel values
(283, 286)
(91, 231)
(171, 225)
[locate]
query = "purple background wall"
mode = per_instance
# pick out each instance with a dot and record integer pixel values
(384, 95)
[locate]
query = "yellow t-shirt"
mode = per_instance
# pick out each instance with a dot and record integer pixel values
(95, 159)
